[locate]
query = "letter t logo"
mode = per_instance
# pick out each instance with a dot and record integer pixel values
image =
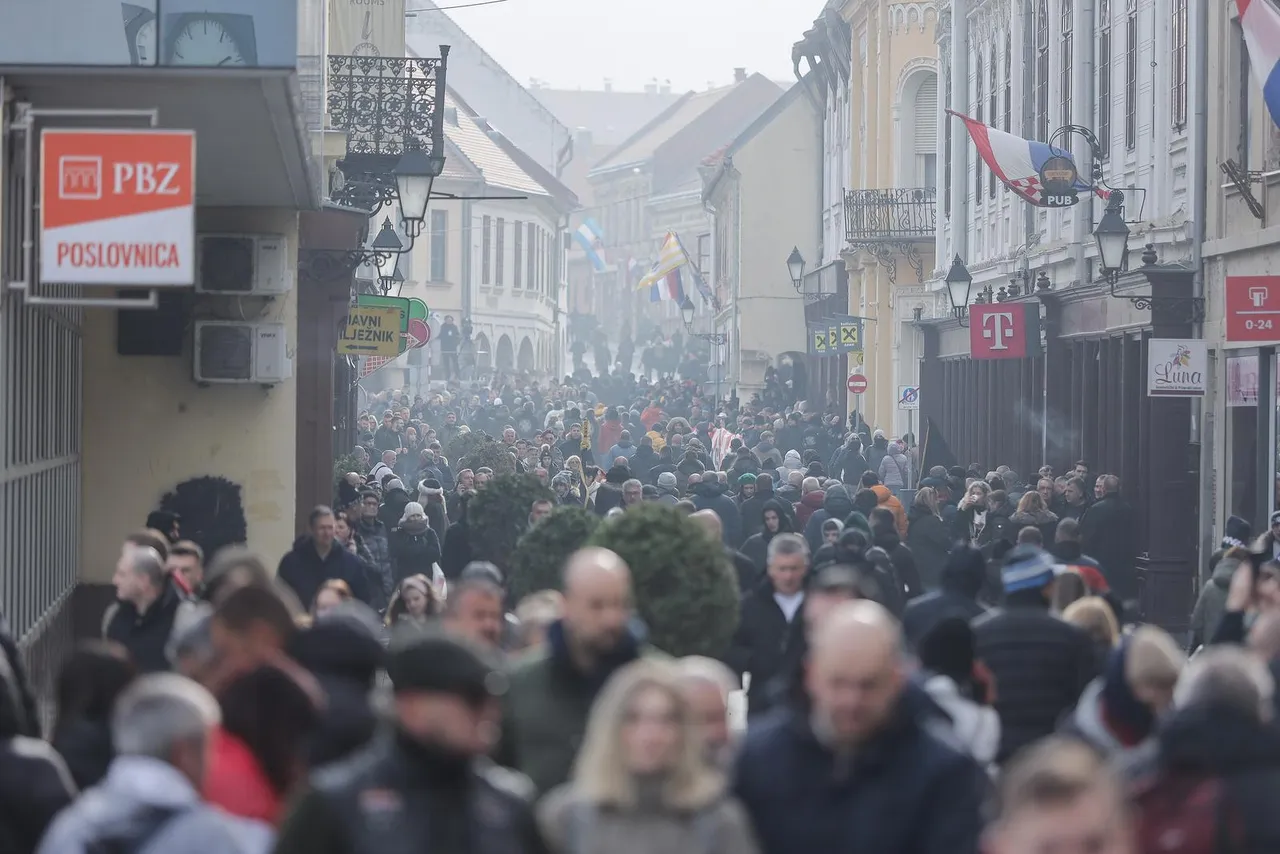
(997, 328)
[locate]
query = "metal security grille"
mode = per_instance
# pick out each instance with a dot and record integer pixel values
(40, 441)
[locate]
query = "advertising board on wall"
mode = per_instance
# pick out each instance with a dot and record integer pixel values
(117, 207)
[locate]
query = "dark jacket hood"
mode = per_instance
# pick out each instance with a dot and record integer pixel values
(784, 519)
(837, 502)
(1218, 739)
(708, 489)
(885, 538)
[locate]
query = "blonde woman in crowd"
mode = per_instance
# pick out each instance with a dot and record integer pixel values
(414, 602)
(642, 784)
(1094, 615)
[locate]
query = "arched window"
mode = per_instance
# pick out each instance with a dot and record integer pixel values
(925, 133)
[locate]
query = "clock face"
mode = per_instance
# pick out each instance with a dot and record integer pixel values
(145, 44)
(365, 49)
(206, 43)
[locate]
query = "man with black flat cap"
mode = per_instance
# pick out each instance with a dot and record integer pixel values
(426, 786)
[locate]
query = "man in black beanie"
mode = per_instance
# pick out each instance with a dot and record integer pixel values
(426, 786)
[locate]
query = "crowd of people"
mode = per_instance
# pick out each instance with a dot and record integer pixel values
(935, 660)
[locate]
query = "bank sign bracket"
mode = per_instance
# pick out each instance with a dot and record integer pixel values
(167, 266)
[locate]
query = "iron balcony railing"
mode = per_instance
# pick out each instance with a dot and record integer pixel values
(893, 216)
(386, 104)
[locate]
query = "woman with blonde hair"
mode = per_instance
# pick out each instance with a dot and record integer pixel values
(1032, 512)
(1070, 587)
(1095, 616)
(414, 602)
(642, 784)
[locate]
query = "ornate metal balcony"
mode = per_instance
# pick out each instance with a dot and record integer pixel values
(888, 222)
(387, 104)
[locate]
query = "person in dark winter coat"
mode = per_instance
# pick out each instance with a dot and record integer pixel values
(88, 685)
(884, 535)
(773, 521)
(751, 508)
(1032, 512)
(394, 498)
(709, 494)
(456, 553)
(771, 620)
(747, 573)
(812, 497)
(34, 782)
(836, 504)
(848, 463)
(343, 650)
(962, 578)
(149, 608)
(928, 537)
(1041, 663)
(414, 546)
(1237, 533)
(11, 663)
(865, 774)
(1216, 768)
(431, 497)
(876, 453)
(1108, 533)
(317, 557)
(1212, 602)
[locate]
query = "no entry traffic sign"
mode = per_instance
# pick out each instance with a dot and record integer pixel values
(857, 384)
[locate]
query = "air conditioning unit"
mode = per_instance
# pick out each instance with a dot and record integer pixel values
(242, 264)
(241, 352)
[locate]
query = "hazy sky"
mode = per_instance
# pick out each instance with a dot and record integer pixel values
(579, 43)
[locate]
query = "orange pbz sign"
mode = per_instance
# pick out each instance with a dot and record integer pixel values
(117, 207)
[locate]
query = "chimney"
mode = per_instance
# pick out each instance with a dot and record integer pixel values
(651, 88)
(582, 139)
(451, 115)
(665, 88)
(739, 75)
(608, 85)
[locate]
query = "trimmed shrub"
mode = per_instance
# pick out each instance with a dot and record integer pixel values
(347, 463)
(463, 444)
(540, 554)
(685, 589)
(492, 455)
(499, 514)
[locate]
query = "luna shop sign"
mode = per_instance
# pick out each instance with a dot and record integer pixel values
(1177, 367)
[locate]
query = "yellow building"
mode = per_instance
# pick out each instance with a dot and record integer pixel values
(890, 199)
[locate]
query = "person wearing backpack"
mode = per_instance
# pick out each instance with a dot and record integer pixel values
(895, 467)
(641, 784)
(1209, 785)
(149, 802)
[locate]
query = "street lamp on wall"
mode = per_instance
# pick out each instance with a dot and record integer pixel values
(387, 248)
(958, 284)
(795, 267)
(415, 173)
(1112, 237)
(686, 314)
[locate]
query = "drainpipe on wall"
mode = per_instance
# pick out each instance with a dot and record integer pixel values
(959, 133)
(466, 259)
(1198, 152)
(1082, 114)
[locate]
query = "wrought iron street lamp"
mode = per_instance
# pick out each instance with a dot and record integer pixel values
(387, 248)
(795, 267)
(958, 283)
(415, 173)
(686, 314)
(1112, 237)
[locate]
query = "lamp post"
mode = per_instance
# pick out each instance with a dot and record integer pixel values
(415, 173)
(1112, 237)
(795, 267)
(958, 283)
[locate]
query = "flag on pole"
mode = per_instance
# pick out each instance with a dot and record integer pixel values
(671, 257)
(1260, 23)
(1016, 161)
(591, 239)
(699, 283)
(670, 287)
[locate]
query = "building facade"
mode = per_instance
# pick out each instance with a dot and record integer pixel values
(768, 176)
(99, 398)
(1080, 392)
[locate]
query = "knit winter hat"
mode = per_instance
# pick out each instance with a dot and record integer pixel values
(1026, 568)
(1238, 533)
(412, 509)
(667, 480)
(747, 477)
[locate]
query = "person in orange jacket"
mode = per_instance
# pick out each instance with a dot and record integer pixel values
(886, 498)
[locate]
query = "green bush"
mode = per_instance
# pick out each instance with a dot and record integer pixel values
(684, 586)
(342, 465)
(491, 455)
(540, 554)
(499, 514)
(463, 444)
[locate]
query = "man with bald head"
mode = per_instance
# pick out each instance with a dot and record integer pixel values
(746, 572)
(546, 707)
(855, 748)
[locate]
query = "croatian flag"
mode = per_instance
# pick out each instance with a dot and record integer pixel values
(1260, 22)
(669, 287)
(1016, 161)
(591, 239)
